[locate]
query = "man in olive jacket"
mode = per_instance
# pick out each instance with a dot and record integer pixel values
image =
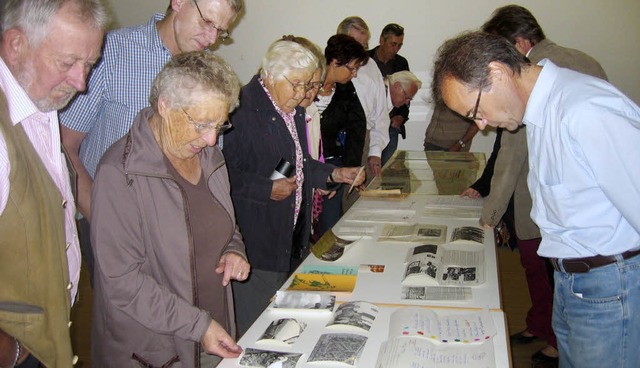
(46, 51)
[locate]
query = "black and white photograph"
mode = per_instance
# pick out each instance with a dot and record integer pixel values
(342, 348)
(355, 314)
(469, 233)
(269, 359)
(284, 330)
(301, 300)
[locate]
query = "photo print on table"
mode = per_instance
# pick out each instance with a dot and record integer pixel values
(268, 359)
(283, 331)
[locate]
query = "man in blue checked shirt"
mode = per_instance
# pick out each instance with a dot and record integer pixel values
(119, 85)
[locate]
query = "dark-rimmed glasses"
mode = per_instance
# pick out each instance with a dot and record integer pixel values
(352, 69)
(475, 109)
(302, 86)
(219, 128)
(223, 34)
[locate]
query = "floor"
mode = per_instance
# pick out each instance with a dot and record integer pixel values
(515, 300)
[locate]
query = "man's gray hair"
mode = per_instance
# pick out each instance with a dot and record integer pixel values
(283, 56)
(236, 5)
(191, 74)
(405, 78)
(33, 17)
(353, 22)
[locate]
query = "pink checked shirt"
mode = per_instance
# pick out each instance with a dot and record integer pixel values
(44, 134)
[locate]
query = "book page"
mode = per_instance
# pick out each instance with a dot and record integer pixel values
(323, 282)
(436, 293)
(445, 264)
(329, 247)
(476, 327)
(295, 300)
(283, 332)
(421, 353)
(452, 212)
(360, 315)
(341, 348)
(269, 359)
(461, 267)
(354, 232)
(380, 215)
(468, 233)
(414, 233)
(454, 201)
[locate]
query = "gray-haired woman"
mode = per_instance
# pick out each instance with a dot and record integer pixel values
(274, 215)
(163, 227)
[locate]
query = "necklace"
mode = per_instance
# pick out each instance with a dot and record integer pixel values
(326, 91)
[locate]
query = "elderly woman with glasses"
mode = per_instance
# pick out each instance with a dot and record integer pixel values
(274, 214)
(163, 227)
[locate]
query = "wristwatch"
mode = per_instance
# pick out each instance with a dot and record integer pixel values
(461, 143)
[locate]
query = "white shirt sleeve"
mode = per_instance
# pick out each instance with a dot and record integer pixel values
(372, 95)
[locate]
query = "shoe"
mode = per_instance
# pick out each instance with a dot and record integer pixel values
(541, 360)
(521, 339)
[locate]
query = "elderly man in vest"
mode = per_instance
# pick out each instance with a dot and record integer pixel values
(47, 49)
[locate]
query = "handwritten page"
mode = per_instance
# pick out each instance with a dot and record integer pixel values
(421, 353)
(458, 328)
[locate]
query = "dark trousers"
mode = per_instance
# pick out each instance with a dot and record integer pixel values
(331, 208)
(540, 290)
(84, 236)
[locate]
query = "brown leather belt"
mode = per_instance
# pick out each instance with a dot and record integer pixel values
(581, 265)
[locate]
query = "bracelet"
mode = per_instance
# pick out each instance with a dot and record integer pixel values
(18, 351)
(331, 177)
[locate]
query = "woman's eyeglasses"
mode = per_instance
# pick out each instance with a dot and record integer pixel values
(302, 87)
(219, 128)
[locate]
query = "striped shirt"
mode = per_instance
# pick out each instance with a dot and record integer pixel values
(44, 133)
(118, 89)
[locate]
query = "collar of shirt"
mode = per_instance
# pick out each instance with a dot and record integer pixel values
(537, 98)
(389, 102)
(154, 36)
(21, 106)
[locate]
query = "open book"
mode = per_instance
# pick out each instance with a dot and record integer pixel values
(447, 264)
(418, 338)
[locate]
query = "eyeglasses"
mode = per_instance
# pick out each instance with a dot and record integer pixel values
(302, 86)
(475, 109)
(219, 128)
(223, 34)
(351, 68)
(406, 95)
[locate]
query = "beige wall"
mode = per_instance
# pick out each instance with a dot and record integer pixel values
(607, 30)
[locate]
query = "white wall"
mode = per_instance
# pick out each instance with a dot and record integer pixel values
(607, 30)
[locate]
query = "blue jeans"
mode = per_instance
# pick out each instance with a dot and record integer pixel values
(392, 146)
(596, 316)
